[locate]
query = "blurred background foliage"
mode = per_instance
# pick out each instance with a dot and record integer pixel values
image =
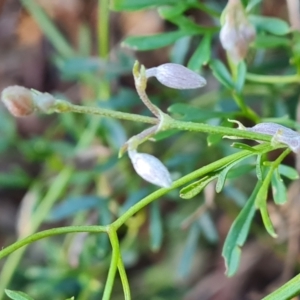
(64, 169)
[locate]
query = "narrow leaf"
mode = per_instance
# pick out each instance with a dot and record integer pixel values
(155, 41)
(278, 188)
(267, 221)
(222, 74)
(238, 233)
(197, 187)
(272, 25)
(243, 146)
(156, 231)
(121, 5)
(288, 172)
(189, 251)
(287, 291)
(223, 174)
(17, 295)
(201, 55)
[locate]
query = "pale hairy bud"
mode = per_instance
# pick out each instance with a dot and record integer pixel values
(150, 168)
(176, 76)
(280, 134)
(18, 100)
(237, 32)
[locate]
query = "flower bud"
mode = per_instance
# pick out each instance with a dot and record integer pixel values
(281, 134)
(18, 100)
(176, 76)
(237, 32)
(150, 168)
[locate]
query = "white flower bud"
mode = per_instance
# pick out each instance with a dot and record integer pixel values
(150, 168)
(176, 76)
(237, 32)
(18, 100)
(281, 134)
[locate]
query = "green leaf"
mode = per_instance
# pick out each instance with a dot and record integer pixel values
(189, 250)
(17, 295)
(195, 188)
(259, 167)
(288, 172)
(278, 188)
(243, 146)
(288, 291)
(169, 12)
(73, 205)
(222, 74)
(272, 25)
(267, 41)
(156, 228)
(238, 233)
(241, 76)
(155, 41)
(223, 174)
(202, 54)
(120, 5)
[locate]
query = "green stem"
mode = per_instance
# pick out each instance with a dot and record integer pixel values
(168, 124)
(124, 279)
(196, 174)
(47, 233)
(273, 78)
(113, 264)
(248, 112)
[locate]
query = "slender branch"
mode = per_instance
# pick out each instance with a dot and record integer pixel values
(169, 123)
(196, 174)
(47, 233)
(273, 78)
(113, 264)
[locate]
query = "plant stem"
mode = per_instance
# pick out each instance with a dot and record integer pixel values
(169, 123)
(113, 264)
(273, 78)
(115, 245)
(196, 174)
(47, 233)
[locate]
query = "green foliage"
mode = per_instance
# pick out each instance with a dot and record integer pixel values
(110, 194)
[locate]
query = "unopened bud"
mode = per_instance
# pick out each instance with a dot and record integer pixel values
(18, 100)
(280, 134)
(237, 32)
(176, 76)
(150, 168)
(22, 102)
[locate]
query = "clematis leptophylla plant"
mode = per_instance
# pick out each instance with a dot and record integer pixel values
(237, 32)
